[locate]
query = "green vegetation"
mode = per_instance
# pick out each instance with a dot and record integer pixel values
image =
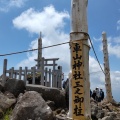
(7, 114)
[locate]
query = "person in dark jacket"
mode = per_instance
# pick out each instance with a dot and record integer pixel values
(101, 94)
(90, 93)
(66, 88)
(67, 93)
(94, 94)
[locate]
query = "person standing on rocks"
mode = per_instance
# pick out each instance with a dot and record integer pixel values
(94, 94)
(67, 92)
(64, 84)
(101, 94)
(90, 93)
(97, 94)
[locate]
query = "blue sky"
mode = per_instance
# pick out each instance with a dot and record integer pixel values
(22, 20)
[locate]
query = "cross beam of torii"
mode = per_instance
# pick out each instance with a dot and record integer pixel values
(79, 85)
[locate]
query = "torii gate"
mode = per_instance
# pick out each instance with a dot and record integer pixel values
(79, 85)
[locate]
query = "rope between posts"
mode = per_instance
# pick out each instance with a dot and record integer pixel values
(96, 55)
(33, 49)
(57, 45)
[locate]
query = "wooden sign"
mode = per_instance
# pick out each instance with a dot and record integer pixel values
(78, 108)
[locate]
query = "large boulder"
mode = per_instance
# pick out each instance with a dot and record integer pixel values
(51, 104)
(108, 118)
(31, 106)
(94, 111)
(100, 114)
(15, 86)
(52, 94)
(5, 103)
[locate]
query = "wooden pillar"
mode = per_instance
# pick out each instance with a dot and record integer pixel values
(20, 72)
(106, 68)
(79, 108)
(25, 76)
(46, 77)
(4, 72)
(33, 72)
(42, 71)
(9, 73)
(12, 71)
(53, 76)
(50, 78)
(15, 75)
(39, 51)
(60, 79)
(53, 84)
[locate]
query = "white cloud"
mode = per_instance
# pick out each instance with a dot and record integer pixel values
(6, 5)
(96, 74)
(118, 25)
(115, 78)
(48, 21)
(113, 46)
(114, 39)
(109, 39)
(114, 50)
(94, 66)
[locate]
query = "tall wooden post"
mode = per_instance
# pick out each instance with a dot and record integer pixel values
(12, 71)
(20, 72)
(42, 71)
(25, 77)
(33, 71)
(106, 68)
(79, 102)
(4, 72)
(39, 51)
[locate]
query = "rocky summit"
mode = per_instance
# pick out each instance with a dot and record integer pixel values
(36, 102)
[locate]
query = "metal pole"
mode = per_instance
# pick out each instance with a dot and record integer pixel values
(79, 85)
(106, 68)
